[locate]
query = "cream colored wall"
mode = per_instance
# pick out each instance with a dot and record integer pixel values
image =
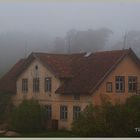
(125, 68)
(48, 98)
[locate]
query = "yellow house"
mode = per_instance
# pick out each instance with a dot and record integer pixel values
(66, 84)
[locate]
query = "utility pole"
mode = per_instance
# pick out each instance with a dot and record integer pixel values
(25, 51)
(125, 41)
(68, 45)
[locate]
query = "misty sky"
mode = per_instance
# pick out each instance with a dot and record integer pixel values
(57, 18)
(35, 25)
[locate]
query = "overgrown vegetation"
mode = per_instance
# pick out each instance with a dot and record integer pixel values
(109, 120)
(5, 106)
(27, 117)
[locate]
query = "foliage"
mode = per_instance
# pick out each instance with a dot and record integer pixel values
(83, 40)
(27, 116)
(52, 134)
(5, 105)
(109, 120)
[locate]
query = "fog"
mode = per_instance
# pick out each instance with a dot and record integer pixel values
(66, 28)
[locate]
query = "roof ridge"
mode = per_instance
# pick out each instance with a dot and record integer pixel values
(59, 53)
(63, 54)
(115, 50)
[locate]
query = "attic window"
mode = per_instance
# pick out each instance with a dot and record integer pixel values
(36, 67)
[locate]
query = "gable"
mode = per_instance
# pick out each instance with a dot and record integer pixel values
(31, 71)
(127, 67)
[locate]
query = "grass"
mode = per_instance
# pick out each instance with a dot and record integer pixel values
(49, 134)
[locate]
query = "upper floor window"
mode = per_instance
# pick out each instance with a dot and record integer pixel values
(76, 112)
(76, 97)
(132, 83)
(109, 86)
(48, 112)
(25, 85)
(120, 84)
(63, 112)
(35, 84)
(36, 67)
(48, 84)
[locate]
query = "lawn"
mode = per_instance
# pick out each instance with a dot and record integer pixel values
(49, 134)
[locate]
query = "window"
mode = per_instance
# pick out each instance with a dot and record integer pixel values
(76, 112)
(35, 84)
(48, 109)
(120, 84)
(109, 86)
(36, 67)
(63, 112)
(25, 85)
(48, 85)
(76, 97)
(132, 83)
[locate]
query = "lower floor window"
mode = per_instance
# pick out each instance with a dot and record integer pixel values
(76, 112)
(48, 110)
(63, 112)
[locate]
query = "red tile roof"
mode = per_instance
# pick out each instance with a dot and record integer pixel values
(81, 73)
(8, 81)
(90, 70)
(60, 64)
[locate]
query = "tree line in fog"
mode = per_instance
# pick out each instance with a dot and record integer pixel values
(16, 45)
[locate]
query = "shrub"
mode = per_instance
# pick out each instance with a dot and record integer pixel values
(88, 125)
(27, 116)
(131, 115)
(109, 120)
(5, 106)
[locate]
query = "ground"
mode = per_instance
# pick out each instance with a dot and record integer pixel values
(47, 134)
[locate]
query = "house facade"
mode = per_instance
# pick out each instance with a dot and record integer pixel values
(66, 84)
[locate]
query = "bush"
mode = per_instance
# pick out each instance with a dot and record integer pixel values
(131, 115)
(27, 117)
(109, 120)
(88, 125)
(5, 106)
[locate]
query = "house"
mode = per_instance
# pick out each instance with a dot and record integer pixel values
(66, 84)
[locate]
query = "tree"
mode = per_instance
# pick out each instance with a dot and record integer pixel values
(131, 39)
(107, 120)
(27, 116)
(87, 41)
(5, 106)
